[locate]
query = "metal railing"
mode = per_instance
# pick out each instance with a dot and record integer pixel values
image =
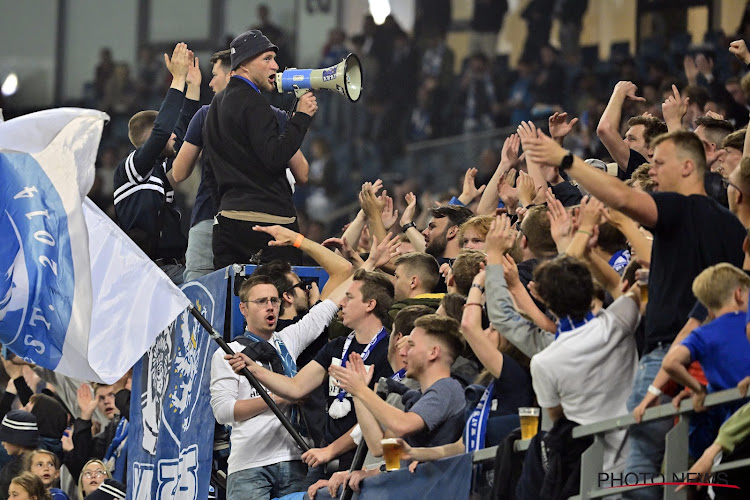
(675, 452)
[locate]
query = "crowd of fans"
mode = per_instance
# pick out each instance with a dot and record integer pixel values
(413, 93)
(445, 313)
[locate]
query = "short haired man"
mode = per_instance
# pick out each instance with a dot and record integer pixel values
(712, 133)
(603, 347)
(265, 461)
(402, 327)
(535, 241)
(199, 255)
(143, 196)
(416, 276)
(731, 153)
(249, 155)
(634, 150)
(436, 418)
(685, 222)
(364, 308)
(441, 233)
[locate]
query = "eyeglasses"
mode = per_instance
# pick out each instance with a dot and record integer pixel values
(98, 473)
(275, 301)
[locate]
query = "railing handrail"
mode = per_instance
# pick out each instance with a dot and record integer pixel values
(656, 413)
(623, 421)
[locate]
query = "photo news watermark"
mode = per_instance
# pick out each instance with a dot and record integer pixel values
(623, 480)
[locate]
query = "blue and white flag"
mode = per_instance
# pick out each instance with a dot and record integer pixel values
(77, 296)
(170, 441)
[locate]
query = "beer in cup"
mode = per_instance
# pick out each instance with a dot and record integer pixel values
(529, 422)
(391, 453)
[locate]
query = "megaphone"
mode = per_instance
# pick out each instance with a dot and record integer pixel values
(344, 78)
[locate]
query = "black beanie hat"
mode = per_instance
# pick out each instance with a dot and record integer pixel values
(110, 489)
(19, 427)
(248, 45)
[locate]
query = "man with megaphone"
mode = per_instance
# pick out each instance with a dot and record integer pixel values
(249, 155)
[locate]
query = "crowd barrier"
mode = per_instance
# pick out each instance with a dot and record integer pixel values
(675, 453)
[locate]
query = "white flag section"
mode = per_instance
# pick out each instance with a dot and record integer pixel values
(77, 296)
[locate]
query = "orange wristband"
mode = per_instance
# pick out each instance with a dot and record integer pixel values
(298, 241)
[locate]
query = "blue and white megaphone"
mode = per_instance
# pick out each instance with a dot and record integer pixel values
(344, 78)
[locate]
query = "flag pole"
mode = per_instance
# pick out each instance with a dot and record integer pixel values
(251, 378)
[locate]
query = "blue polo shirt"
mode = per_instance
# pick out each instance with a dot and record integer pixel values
(206, 202)
(722, 349)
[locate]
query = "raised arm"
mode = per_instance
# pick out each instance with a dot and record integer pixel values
(372, 205)
(637, 205)
(337, 267)
(503, 315)
(415, 237)
(609, 124)
(508, 159)
(471, 328)
(470, 191)
(673, 109)
(142, 160)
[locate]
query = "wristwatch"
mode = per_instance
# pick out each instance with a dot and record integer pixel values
(407, 226)
(567, 161)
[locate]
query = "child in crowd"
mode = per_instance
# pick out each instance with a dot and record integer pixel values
(46, 465)
(20, 436)
(28, 486)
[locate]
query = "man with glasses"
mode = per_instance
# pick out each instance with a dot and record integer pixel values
(264, 461)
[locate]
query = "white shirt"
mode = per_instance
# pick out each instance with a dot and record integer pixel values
(262, 440)
(590, 372)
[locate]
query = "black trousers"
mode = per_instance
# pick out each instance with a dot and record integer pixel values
(235, 242)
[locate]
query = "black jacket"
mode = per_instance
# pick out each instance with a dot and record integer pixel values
(248, 155)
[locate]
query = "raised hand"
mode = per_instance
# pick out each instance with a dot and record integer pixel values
(509, 155)
(381, 253)
(526, 131)
(500, 238)
(628, 90)
(675, 107)
(544, 150)
(388, 216)
(194, 71)
(410, 210)
(282, 237)
(86, 401)
(691, 70)
(527, 190)
(508, 194)
(371, 204)
(561, 223)
(470, 190)
(590, 213)
(179, 62)
(739, 49)
(559, 127)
